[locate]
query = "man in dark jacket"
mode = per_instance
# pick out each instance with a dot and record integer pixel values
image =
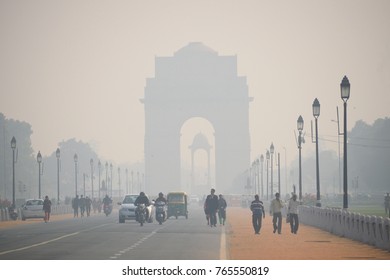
(142, 199)
(212, 207)
(258, 213)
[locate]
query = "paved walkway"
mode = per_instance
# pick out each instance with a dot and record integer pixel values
(309, 244)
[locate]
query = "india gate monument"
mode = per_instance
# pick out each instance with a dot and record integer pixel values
(195, 82)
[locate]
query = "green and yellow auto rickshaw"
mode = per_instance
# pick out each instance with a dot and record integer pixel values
(177, 204)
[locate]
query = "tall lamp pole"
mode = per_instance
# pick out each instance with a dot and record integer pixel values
(262, 187)
(267, 156)
(119, 180)
(107, 188)
(39, 160)
(300, 128)
(345, 91)
(13, 147)
(100, 170)
(279, 174)
(58, 155)
(127, 180)
(316, 114)
(271, 149)
(75, 158)
(111, 178)
(91, 163)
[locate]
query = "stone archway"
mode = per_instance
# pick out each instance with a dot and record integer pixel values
(195, 82)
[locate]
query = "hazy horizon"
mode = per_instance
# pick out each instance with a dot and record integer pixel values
(78, 69)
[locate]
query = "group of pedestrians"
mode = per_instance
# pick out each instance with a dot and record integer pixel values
(82, 203)
(215, 204)
(276, 206)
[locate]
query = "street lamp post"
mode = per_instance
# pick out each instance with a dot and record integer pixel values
(271, 149)
(279, 174)
(300, 128)
(13, 147)
(127, 180)
(132, 181)
(58, 155)
(119, 180)
(316, 114)
(267, 156)
(111, 178)
(345, 91)
(262, 187)
(75, 158)
(91, 163)
(39, 160)
(258, 175)
(100, 170)
(107, 178)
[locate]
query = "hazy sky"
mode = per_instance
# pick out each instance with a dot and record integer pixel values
(78, 68)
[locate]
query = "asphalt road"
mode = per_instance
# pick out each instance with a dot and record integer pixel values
(100, 238)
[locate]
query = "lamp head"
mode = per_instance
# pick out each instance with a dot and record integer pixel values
(300, 123)
(75, 158)
(316, 108)
(39, 157)
(58, 153)
(13, 143)
(345, 87)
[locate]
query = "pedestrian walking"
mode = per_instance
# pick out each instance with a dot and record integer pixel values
(212, 207)
(258, 213)
(222, 210)
(387, 204)
(292, 211)
(82, 205)
(88, 204)
(75, 206)
(276, 211)
(47, 208)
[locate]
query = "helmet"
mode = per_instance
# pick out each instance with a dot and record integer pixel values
(142, 194)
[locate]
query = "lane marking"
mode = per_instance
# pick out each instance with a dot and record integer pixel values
(139, 242)
(49, 241)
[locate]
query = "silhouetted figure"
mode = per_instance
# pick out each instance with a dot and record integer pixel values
(258, 213)
(88, 204)
(75, 206)
(212, 207)
(387, 204)
(47, 208)
(276, 211)
(222, 210)
(293, 212)
(82, 205)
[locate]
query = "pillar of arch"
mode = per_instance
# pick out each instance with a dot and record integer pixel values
(200, 143)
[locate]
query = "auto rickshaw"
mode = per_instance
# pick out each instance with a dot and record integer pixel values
(177, 204)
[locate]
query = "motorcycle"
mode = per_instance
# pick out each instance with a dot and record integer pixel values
(141, 211)
(160, 211)
(107, 209)
(13, 214)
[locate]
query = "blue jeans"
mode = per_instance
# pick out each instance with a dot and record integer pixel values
(277, 222)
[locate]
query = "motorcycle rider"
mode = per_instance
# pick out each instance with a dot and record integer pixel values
(142, 199)
(162, 199)
(107, 201)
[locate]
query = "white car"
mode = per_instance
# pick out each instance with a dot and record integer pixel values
(33, 208)
(127, 210)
